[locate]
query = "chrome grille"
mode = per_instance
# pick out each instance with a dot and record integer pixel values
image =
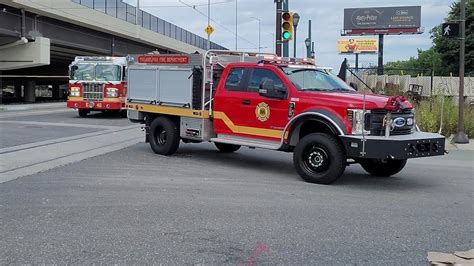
(375, 122)
(93, 91)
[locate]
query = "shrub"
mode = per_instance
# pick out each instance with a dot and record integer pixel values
(428, 116)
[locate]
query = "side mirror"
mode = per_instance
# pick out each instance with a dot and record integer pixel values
(354, 86)
(268, 89)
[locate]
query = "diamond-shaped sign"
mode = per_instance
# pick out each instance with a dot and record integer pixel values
(209, 29)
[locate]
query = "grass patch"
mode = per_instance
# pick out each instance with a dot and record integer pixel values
(428, 116)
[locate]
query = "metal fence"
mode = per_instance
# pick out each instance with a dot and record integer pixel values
(126, 12)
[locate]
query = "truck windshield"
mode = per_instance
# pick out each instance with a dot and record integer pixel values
(82, 72)
(107, 72)
(307, 79)
(99, 72)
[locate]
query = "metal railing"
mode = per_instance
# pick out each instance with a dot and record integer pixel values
(126, 12)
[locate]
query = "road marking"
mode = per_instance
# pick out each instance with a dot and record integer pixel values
(28, 113)
(58, 124)
(28, 161)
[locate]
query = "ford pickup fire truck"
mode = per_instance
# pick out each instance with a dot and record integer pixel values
(97, 84)
(236, 99)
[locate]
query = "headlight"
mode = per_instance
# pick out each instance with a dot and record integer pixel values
(356, 117)
(75, 91)
(112, 92)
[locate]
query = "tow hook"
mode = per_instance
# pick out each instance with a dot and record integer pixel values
(446, 151)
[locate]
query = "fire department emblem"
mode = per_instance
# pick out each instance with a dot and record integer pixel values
(262, 111)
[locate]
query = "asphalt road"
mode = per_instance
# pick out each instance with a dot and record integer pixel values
(200, 206)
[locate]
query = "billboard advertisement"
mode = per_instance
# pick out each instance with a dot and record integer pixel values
(360, 45)
(376, 18)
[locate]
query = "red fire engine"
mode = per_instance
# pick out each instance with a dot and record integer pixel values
(97, 84)
(236, 99)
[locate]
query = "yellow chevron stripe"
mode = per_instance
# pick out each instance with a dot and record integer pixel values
(255, 131)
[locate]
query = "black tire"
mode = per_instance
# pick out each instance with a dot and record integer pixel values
(164, 136)
(123, 113)
(226, 148)
(319, 158)
(83, 112)
(383, 167)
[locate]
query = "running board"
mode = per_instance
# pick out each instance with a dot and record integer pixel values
(249, 142)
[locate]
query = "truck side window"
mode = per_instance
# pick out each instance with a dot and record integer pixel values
(260, 75)
(233, 81)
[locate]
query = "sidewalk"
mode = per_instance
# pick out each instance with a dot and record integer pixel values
(31, 106)
(461, 147)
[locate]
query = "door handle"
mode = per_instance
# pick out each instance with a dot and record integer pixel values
(246, 102)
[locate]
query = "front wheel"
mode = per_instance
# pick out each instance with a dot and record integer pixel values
(319, 158)
(164, 136)
(226, 148)
(383, 167)
(83, 112)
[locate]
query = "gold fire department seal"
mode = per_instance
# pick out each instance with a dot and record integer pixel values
(262, 111)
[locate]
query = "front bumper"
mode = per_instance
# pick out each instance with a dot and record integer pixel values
(98, 105)
(416, 145)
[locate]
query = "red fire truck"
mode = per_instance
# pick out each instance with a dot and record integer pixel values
(236, 99)
(97, 84)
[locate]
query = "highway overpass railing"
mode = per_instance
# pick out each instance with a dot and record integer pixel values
(124, 11)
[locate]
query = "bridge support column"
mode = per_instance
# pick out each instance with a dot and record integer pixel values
(55, 91)
(17, 90)
(30, 91)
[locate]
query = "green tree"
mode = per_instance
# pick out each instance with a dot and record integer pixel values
(443, 56)
(449, 48)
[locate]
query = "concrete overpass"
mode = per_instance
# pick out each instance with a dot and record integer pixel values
(39, 38)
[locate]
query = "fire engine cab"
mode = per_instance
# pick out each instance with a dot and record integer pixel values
(97, 84)
(236, 99)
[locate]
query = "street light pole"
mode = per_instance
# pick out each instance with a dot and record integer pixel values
(296, 19)
(208, 23)
(460, 136)
(259, 32)
(236, 25)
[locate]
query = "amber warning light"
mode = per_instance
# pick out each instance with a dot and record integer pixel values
(163, 59)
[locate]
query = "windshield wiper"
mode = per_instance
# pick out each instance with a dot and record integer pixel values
(342, 90)
(315, 89)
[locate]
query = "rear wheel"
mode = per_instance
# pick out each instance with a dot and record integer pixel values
(226, 148)
(83, 112)
(383, 167)
(164, 136)
(319, 158)
(123, 113)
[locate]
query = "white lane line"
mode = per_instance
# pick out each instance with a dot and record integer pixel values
(64, 139)
(31, 113)
(58, 124)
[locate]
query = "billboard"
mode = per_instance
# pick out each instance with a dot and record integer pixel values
(382, 19)
(354, 46)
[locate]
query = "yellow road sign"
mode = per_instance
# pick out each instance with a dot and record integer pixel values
(209, 29)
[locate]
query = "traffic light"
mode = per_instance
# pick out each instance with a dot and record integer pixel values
(286, 26)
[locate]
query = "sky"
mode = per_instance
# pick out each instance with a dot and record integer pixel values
(326, 16)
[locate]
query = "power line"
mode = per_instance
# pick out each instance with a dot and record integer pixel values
(222, 26)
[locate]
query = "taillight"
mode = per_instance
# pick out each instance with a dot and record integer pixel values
(75, 91)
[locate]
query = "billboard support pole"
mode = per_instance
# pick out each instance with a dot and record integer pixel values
(357, 62)
(380, 64)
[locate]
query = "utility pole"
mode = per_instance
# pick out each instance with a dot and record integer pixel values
(278, 27)
(286, 45)
(460, 136)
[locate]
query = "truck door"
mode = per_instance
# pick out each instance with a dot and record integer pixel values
(245, 112)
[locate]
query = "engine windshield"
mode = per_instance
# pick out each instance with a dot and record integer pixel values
(98, 72)
(310, 79)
